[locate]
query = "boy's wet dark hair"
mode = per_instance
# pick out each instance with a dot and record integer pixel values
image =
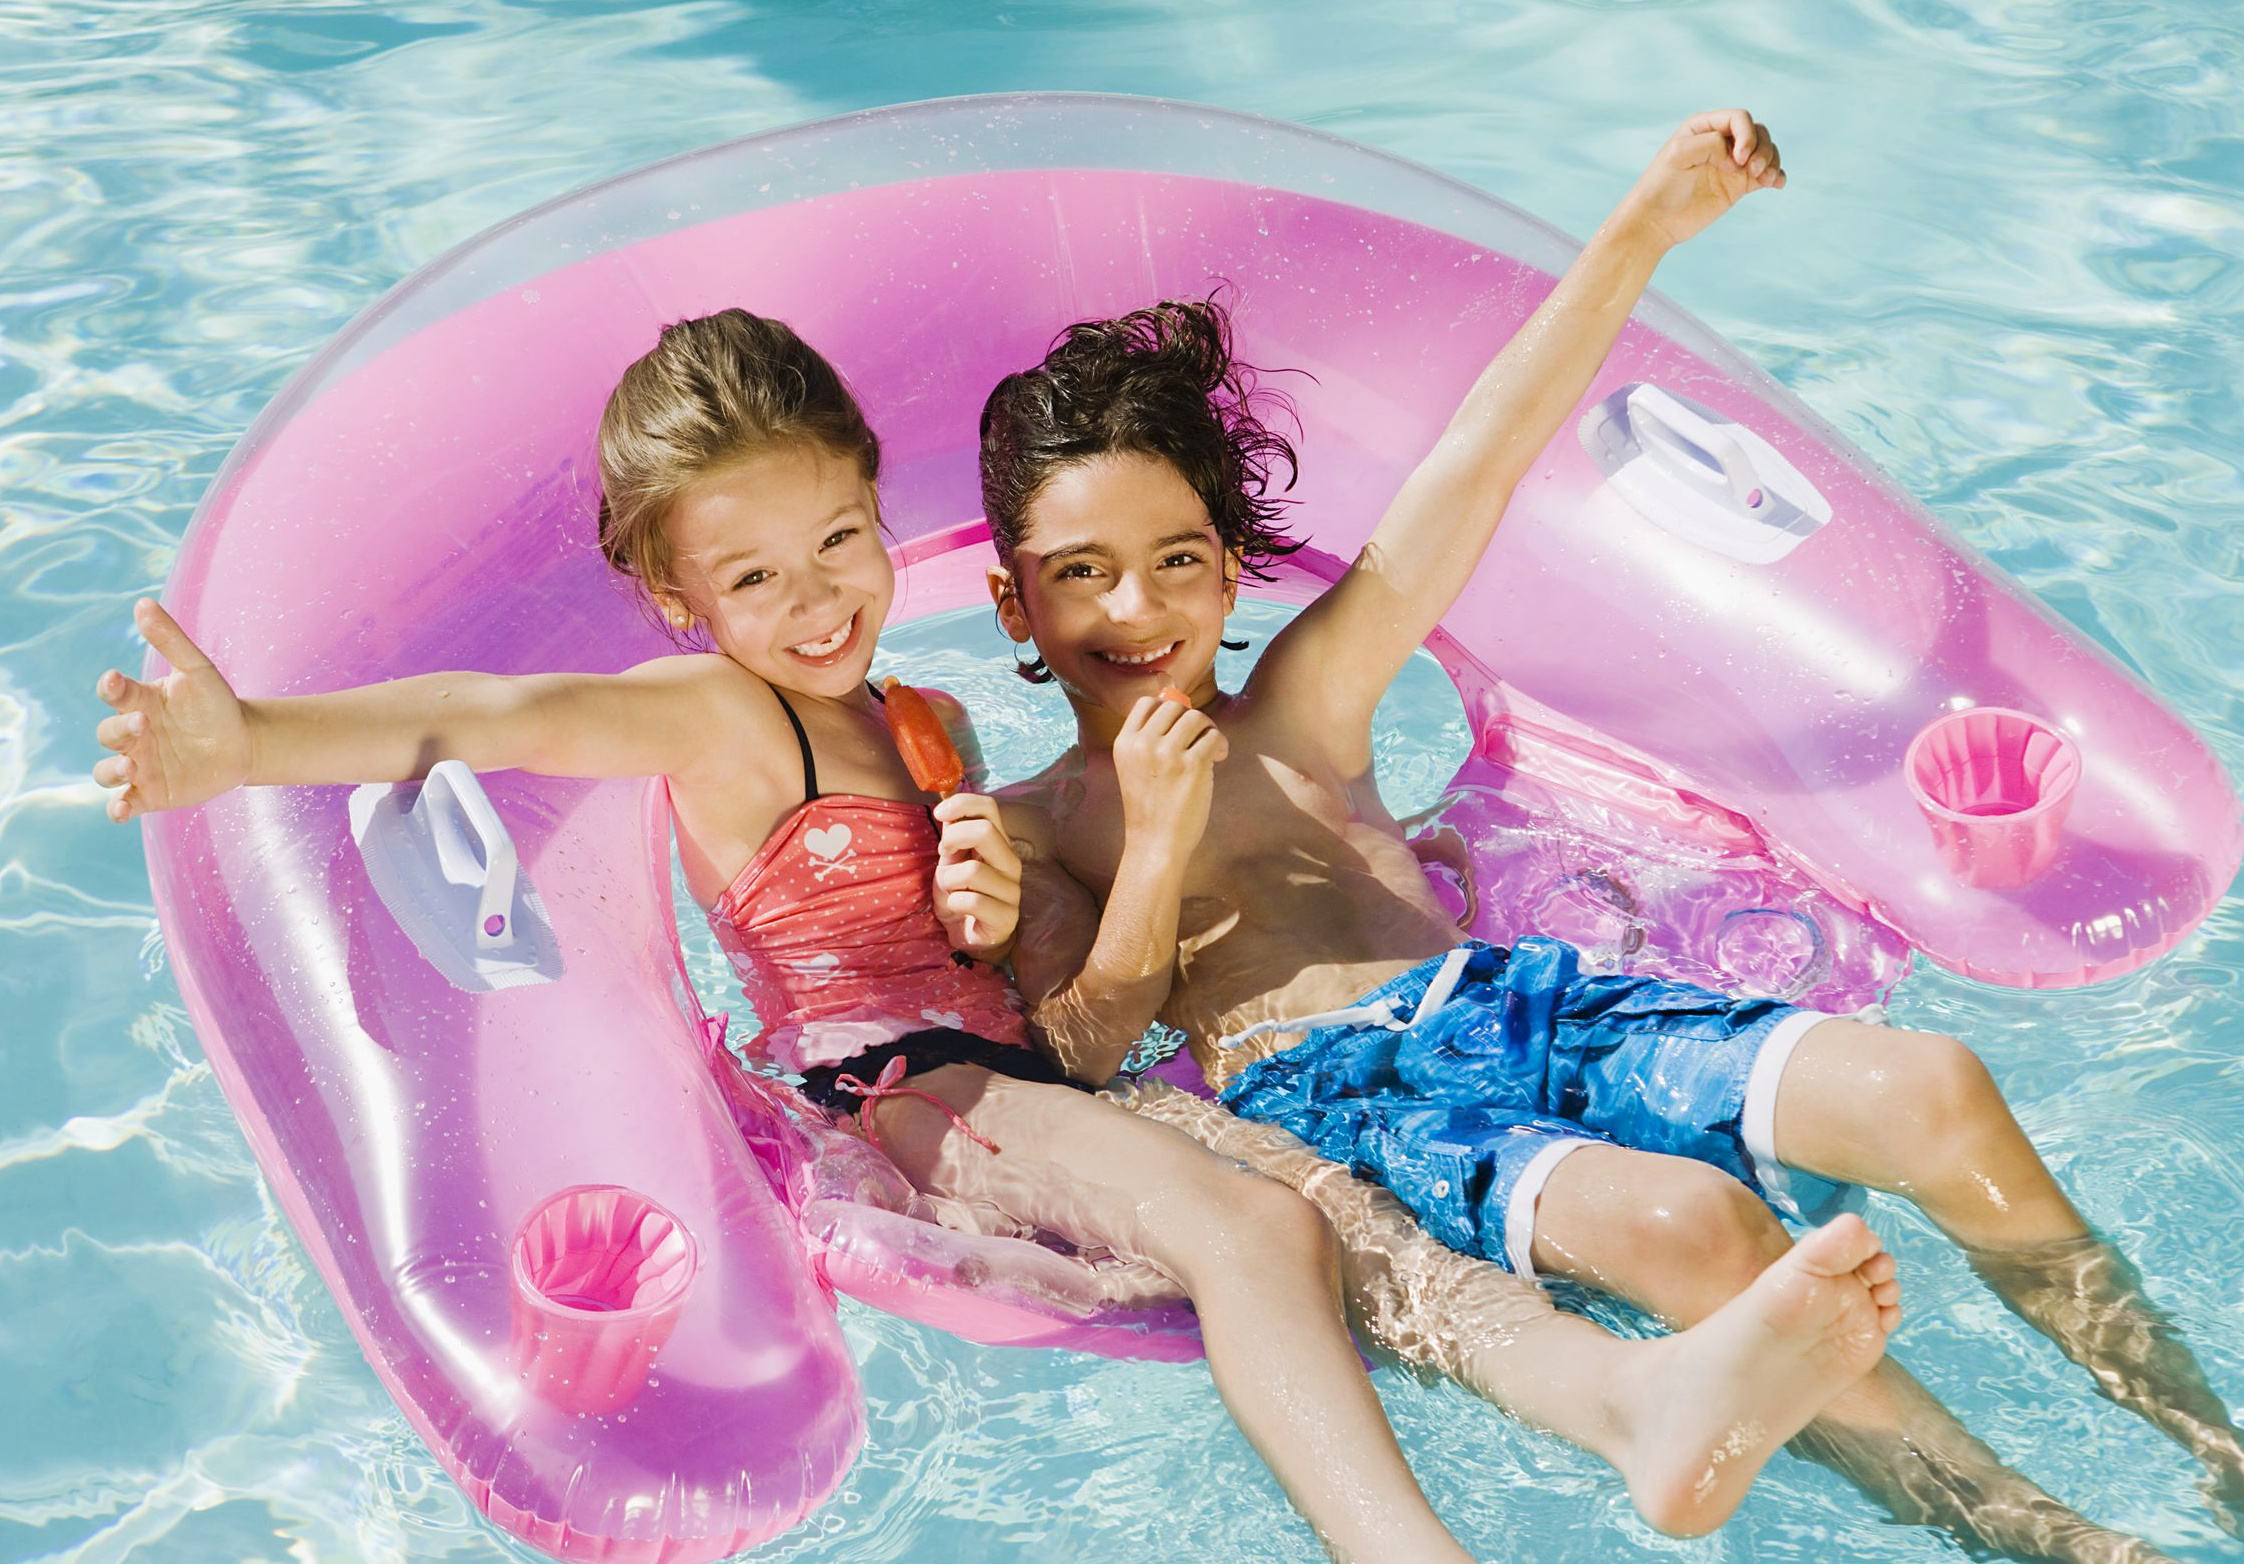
(1156, 382)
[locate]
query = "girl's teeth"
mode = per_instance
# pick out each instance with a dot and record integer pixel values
(821, 648)
(1143, 657)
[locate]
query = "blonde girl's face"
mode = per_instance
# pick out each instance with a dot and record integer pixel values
(779, 559)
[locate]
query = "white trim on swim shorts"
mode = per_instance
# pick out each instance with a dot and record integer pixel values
(1380, 1012)
(1757, 1126)
(1519, 1210)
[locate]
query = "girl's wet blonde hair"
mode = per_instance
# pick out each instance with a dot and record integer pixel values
(714, 391)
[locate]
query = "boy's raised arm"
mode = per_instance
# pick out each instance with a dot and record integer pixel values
(1352, 642)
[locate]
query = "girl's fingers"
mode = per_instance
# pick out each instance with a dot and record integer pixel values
(116, 690)
(121, 807)
(972, 876)
(966, 806)
(982, 840)
(116, 771)
(119, 731)
(163, 633)
(975, 907)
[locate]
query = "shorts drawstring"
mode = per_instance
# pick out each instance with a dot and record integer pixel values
(885, 1086)
(1380, 1012)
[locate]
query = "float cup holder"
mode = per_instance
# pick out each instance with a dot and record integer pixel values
(1995, 786)
(600, 1274)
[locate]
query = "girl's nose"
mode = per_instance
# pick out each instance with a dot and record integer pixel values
(819, 588)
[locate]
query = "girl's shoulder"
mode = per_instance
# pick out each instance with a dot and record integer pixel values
(737, 716)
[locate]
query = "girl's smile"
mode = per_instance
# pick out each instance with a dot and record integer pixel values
(780, 561)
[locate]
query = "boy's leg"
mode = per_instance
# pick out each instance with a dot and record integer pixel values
(1678, 1238)
(1256, 1259)
(1918, 1114)
(1664, 1413)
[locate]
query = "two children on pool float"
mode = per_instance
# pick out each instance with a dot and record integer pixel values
(1124, 479)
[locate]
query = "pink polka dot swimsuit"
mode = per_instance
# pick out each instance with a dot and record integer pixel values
(831, 928)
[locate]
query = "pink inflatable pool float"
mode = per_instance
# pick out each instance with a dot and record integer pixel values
(1741, 710)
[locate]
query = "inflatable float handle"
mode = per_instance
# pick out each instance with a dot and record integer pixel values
(453, 805)
(1699, 449)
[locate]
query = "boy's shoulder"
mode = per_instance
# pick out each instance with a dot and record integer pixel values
(1034, 806)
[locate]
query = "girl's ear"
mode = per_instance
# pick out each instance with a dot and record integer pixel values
(1231, 563)
(674, 611)
(1005, 593)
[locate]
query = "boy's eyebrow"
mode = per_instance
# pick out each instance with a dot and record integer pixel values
(1071, 550)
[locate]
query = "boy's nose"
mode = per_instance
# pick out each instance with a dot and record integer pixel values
(1128, 600)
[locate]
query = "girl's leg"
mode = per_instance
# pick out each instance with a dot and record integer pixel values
(1918, 1114)
(1256, 1259)
(1664, 1413)
(1678, 1238)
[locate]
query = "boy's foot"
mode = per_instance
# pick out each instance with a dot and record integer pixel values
(1724, 1395)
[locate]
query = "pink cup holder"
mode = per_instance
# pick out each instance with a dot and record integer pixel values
(600, 1274)
(1995, 785)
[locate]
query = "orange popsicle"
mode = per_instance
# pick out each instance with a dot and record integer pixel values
(1170, 692)
(921, 739)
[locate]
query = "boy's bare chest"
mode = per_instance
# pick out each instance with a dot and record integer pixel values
(1266, 812)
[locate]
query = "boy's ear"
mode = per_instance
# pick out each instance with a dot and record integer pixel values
(1006, 595)
(1231, 564)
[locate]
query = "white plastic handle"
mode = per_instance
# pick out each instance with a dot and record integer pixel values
(1703, 451)
(452, 805)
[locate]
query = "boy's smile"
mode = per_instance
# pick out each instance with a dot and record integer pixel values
(1121, 581)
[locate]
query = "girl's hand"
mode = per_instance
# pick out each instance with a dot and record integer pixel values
(977, 877)
(1164, 761)
(179, 741)
(1707, 167)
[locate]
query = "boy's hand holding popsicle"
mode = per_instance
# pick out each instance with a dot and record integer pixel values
(1164, 763)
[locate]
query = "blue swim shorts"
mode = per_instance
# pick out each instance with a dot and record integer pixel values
(1465, 1112)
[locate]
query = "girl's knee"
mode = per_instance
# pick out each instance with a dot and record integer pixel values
(1238, 1214)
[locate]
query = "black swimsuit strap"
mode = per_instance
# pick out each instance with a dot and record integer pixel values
(802, 739)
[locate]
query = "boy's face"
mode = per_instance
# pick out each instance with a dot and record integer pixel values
(1121, 581)
(779, 557)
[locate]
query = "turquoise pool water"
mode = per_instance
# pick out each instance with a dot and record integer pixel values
(2007, 267)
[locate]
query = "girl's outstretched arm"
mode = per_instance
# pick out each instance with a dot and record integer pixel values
(187, 737)
(1346, 648)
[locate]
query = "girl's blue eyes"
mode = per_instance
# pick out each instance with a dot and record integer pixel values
(759, 577)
